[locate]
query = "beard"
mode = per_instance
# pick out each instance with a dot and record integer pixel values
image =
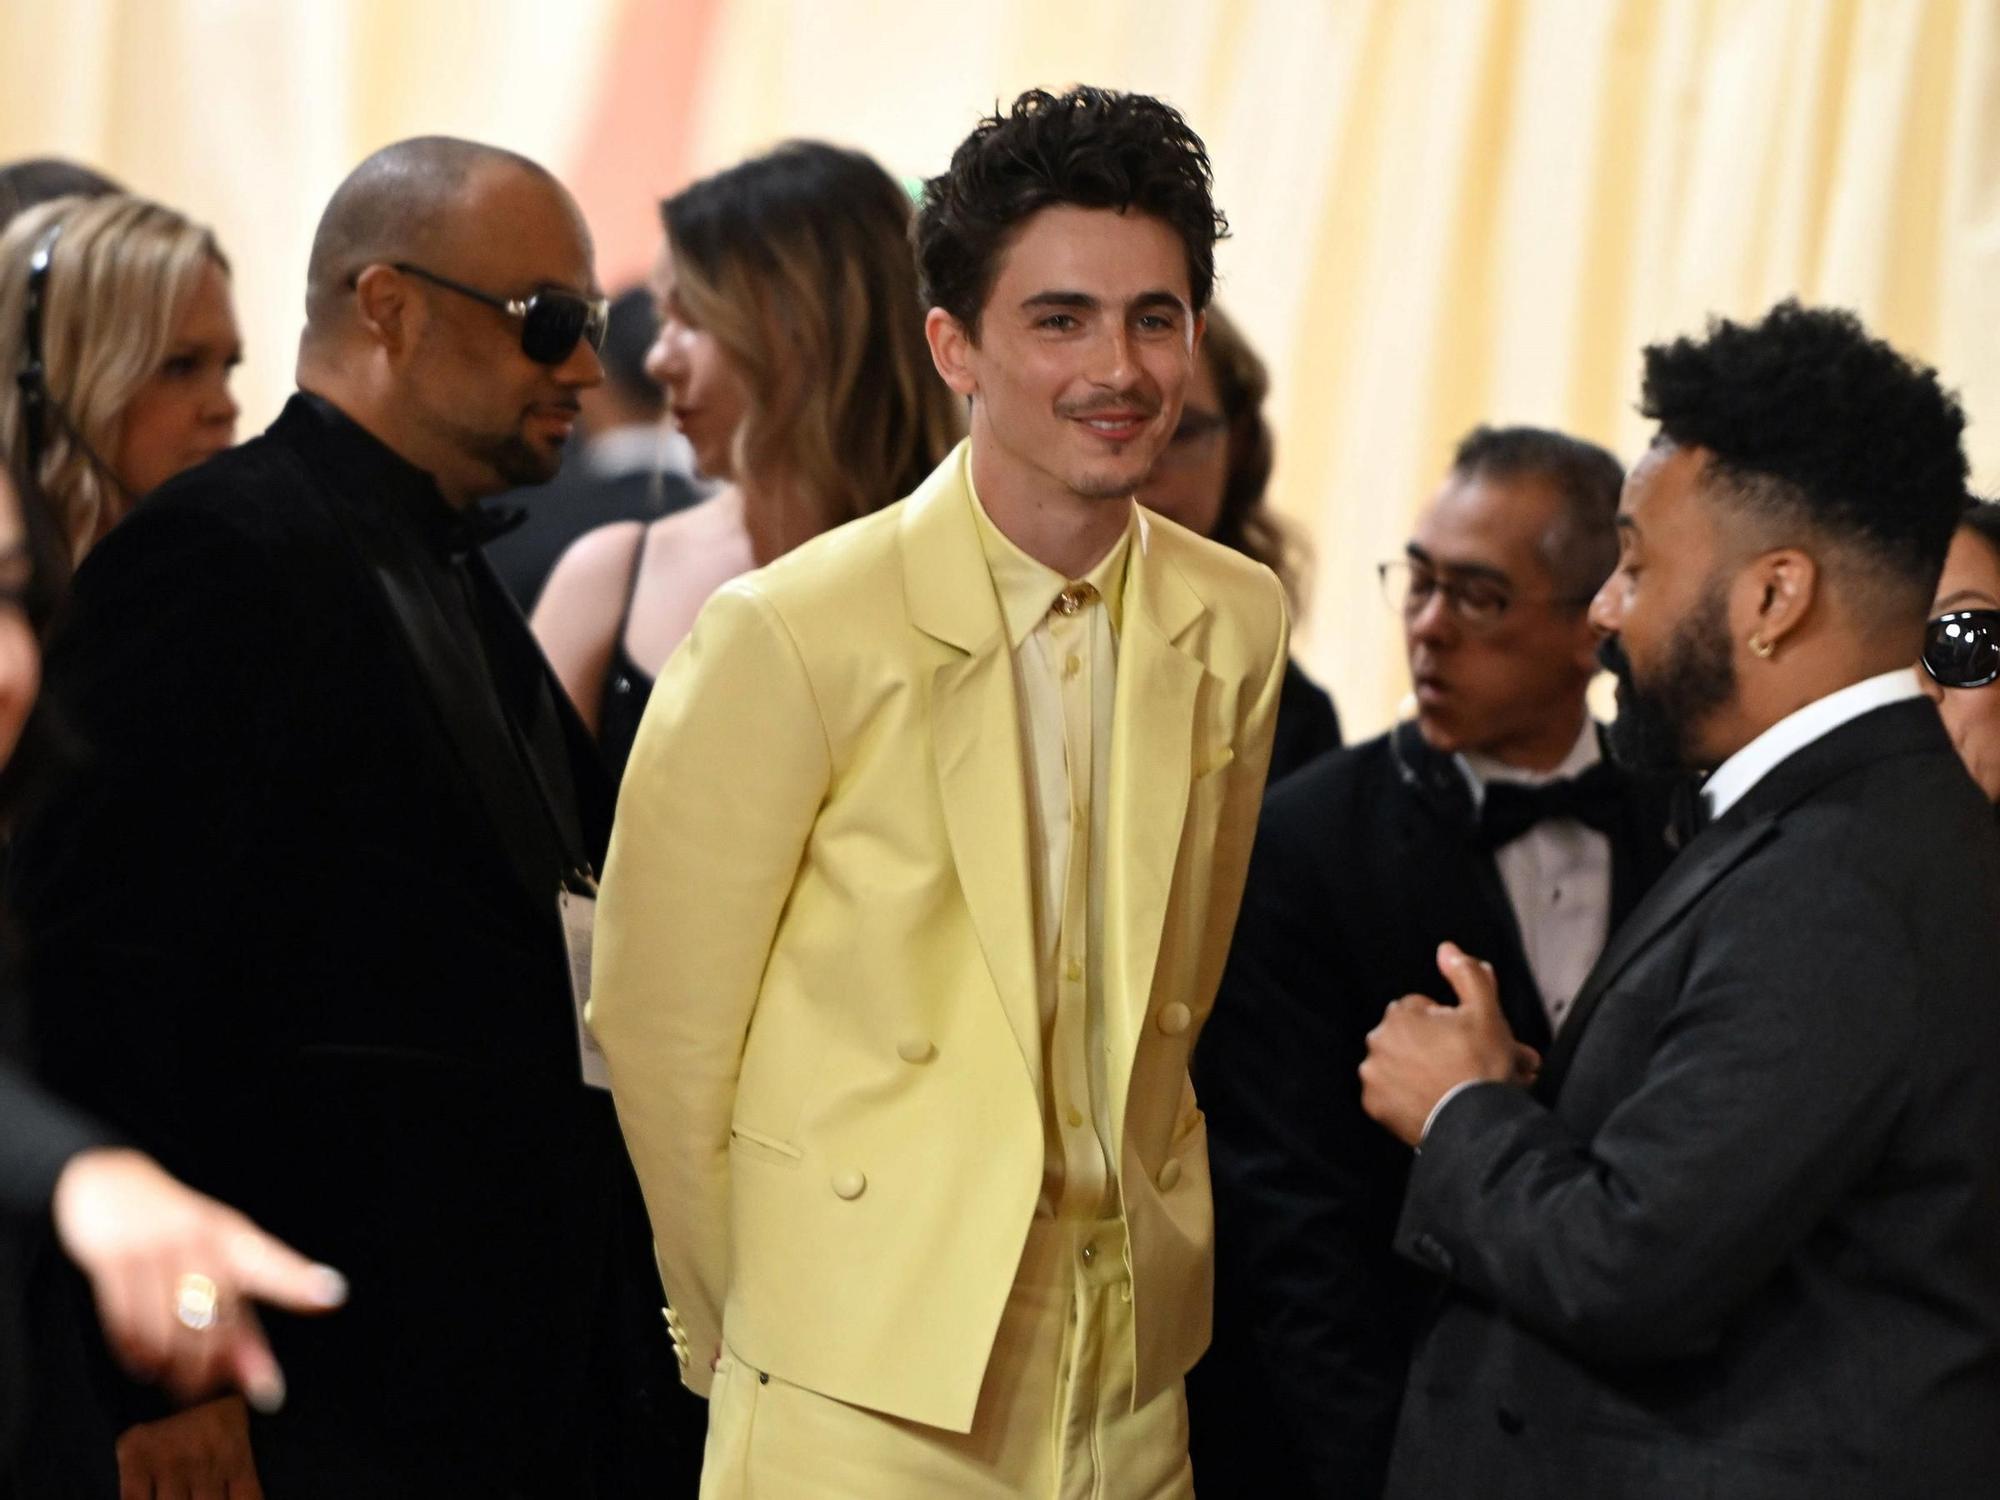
(1657, 720)
(516, 460)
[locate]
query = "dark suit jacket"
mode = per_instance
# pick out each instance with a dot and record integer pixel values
(38, 1136)
(1364, 863)
(557, 513)
(1753, 1248)
(1308, 725)
(286, 934)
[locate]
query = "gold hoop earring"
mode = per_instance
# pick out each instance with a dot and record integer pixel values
(1761, 648)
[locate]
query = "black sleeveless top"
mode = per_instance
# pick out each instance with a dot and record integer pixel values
(627, 685)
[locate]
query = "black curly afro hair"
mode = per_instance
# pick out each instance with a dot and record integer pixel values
(1811, 419)
(1090, 147)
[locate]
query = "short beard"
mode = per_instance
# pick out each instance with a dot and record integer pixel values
(1656, 723)
(516, 460)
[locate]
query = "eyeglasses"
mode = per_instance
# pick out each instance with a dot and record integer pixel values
(552, 320)
(1476, 603)
(1962, 649)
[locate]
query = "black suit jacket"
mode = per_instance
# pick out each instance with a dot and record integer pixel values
(292, 928)
(38, 1136)
(1753, 1248)
(1364, 863)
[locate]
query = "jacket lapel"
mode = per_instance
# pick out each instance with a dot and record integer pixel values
(976, 740)
(1704, 862)
(1152, 750)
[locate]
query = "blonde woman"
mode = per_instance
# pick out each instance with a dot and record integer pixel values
(792, 350)
(118, 339)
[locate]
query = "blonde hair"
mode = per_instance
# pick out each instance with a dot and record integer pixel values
(119, 275)
(799, 263)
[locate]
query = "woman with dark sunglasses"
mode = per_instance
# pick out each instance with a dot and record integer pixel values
(1960, 669)
(792, 350)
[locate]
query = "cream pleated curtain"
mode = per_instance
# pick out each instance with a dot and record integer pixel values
(1446, 211)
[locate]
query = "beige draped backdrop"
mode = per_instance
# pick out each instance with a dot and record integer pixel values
(1446, 211)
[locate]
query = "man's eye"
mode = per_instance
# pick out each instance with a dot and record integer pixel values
(1058, 322)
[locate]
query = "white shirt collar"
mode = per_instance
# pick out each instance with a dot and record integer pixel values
(1798, 729)
(1479, 769)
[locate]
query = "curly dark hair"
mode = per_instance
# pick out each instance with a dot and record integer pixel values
(1090, 147)
(1811, 420)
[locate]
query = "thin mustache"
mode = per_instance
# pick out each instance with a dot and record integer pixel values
(1107, 408)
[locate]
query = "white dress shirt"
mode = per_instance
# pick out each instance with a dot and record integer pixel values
(1557, 876)
(1799, 729)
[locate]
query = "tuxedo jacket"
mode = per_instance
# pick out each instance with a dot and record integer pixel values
(1752, 1248)
(1365, 862)
(285, 935)
(816, 978)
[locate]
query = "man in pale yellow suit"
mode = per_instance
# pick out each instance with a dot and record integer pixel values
(924, 871)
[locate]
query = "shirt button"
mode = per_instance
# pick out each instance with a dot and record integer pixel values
(1089, 1254)
(1073, 970)
(1072, 665)
(1075, 1116)
(849, 1184)
(1175, 1019)
(915, 1049)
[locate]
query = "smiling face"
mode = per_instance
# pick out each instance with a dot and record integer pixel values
(1971, 580)
(184, 414)
(706, 392)
(494, 417)
(1081, 357)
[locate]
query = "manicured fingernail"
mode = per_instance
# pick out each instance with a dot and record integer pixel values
(267, 1395)
(329, 1286)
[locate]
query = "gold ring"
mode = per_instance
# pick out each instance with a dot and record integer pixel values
(195, 1298)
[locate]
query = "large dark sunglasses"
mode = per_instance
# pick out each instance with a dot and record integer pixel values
(552, 320)
(1962, 649)
(33, 375)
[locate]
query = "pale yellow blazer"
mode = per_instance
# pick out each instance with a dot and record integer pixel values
(815, 976)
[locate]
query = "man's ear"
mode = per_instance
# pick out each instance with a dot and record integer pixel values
(385, 308)
(951, 350)
(1777, 592)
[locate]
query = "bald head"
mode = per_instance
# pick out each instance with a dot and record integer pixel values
(416, 200)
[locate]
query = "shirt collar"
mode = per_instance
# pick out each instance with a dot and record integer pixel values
(1798, 729)
(1027, 587)
(1481, 769)
(371, 470)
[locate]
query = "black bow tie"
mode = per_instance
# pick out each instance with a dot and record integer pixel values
(1596, 799)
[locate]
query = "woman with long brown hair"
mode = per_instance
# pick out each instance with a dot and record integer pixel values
(792, 350)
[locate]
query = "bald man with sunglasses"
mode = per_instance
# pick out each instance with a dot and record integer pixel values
(305, 917)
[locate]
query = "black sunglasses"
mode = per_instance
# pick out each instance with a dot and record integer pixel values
(33, 376)
(1962, 649)
(552, 321)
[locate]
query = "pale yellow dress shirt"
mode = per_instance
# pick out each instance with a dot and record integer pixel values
(1064, 641)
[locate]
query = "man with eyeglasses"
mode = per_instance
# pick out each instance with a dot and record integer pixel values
(300, 916)
(1740, 1241)
(1489, 817)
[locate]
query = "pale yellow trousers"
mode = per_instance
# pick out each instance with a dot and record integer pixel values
(1054, 1419)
